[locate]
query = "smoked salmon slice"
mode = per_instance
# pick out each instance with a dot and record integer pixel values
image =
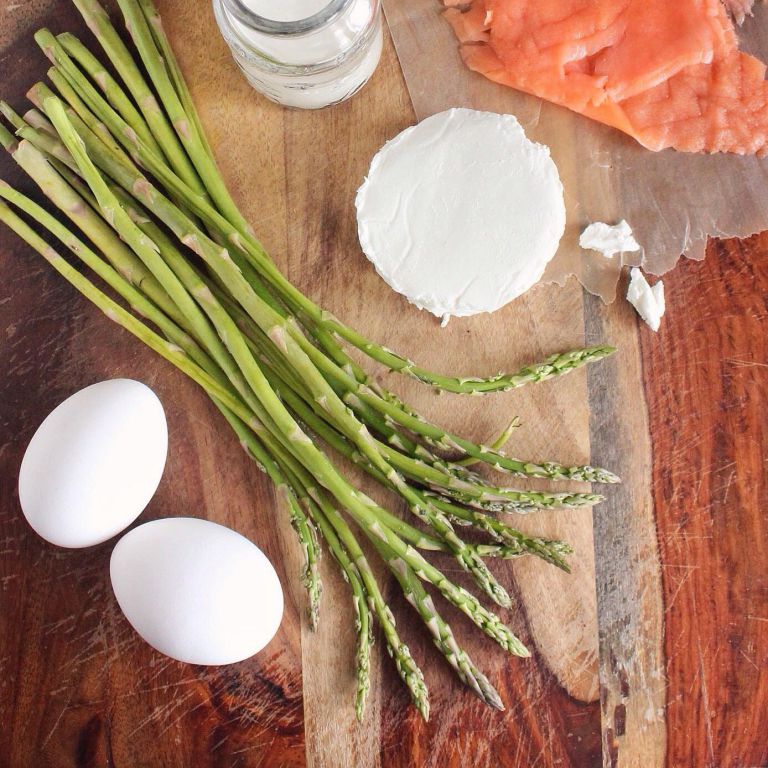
(670, 74)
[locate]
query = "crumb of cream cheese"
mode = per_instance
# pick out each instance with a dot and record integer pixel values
(648, 301)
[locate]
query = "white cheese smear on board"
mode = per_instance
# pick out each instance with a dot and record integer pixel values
(462, 212)
(648, 301)
(609, 239)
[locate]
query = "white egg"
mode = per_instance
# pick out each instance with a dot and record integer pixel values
(196, 591)
(94, 463)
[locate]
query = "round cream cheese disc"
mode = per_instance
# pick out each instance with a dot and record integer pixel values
(462, 212)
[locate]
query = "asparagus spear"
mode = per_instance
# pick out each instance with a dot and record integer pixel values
(36, 119)
(7, 111)
(301, 523)
(161, 40)
(186, 128)
(496, 445)
(363, 618)
(111, 88)
(98, 22)
(442, 634)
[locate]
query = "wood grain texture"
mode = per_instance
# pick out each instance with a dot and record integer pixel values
(629, 594)
(707, 382)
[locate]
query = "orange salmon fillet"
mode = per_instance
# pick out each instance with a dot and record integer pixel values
(668, 73)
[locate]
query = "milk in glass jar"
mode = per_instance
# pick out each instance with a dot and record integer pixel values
(303, 53)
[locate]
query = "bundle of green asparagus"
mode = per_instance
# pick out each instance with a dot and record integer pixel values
(122, 154)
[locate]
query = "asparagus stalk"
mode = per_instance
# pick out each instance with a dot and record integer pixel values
(112, 310)
(161, 40)
(518, 543)
(186, 290)
(36, 119)
(496, 445)
(7, 111)
(7, 139)
(36, 166)
(109, 274)
(404, 444)
(63, 86)
(51, 147)
(443, 637)
(301, 523)
(186, 128)
(404, 661)
(98, 22)
(113, 92)
(363, 618)
(442, 634)
(426, 474)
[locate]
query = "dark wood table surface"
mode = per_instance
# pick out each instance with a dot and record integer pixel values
(701, 390)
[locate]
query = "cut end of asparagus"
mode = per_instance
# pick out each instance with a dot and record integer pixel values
(11, 115)
(7, 139)
(47, 42)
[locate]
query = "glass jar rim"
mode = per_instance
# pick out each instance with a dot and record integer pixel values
(285, 28)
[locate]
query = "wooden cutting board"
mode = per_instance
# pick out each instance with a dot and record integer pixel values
(80, 688)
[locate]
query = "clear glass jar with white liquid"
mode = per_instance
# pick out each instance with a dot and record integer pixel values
(303, 53)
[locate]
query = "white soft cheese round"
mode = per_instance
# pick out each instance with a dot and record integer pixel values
(94, 463)
(196, 591)
(462, 212)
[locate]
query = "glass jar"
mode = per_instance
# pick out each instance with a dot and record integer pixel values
(310, 62)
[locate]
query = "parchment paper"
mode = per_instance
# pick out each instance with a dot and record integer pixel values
(672, 200)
